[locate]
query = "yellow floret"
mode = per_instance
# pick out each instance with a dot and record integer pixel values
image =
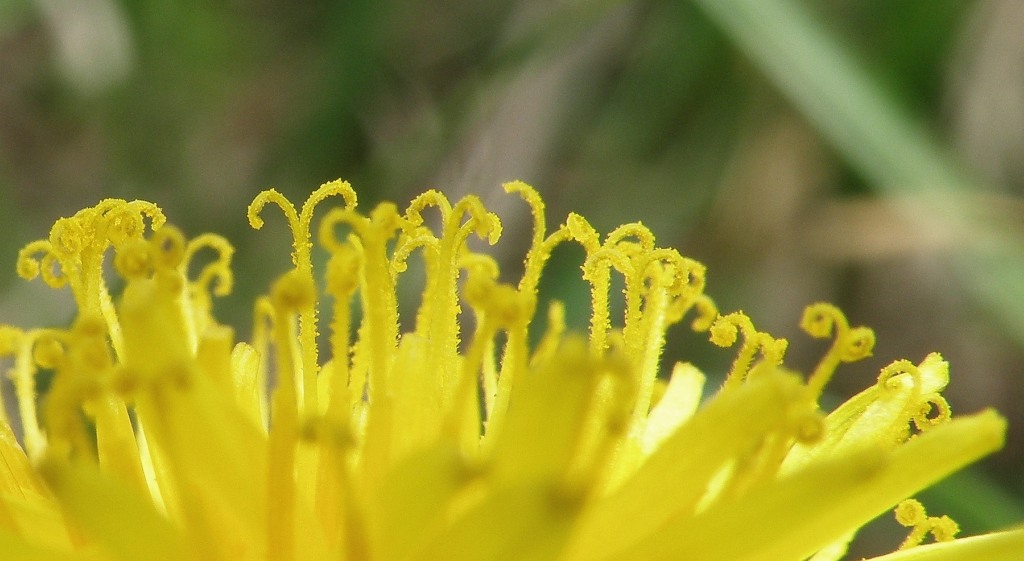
(414, 439)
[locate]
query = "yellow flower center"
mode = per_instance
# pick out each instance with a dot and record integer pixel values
(160, 437)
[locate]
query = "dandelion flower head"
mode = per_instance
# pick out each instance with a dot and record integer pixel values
(401, 436)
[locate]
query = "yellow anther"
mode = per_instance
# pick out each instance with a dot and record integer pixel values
(911, 513)
(91, 353)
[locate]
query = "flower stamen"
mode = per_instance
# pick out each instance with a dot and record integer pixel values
(299, 224)
(724, 332)
(911, 513)
(849, 344)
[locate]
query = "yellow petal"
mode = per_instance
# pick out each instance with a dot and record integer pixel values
(114, 514)
(835, 550)
(1001, 546)
(677, 475)
(17, 549)
(880, 414)
(37, 519)
(208, 444)
(16, 474)
(248, 385)
(792, 518)
(546, 416)
(416, 399)
(414, 502)
(682, 396)
(524, 521)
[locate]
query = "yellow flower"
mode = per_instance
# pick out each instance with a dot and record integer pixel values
(157, 437)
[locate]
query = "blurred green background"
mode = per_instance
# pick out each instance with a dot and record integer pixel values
(869, 153)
